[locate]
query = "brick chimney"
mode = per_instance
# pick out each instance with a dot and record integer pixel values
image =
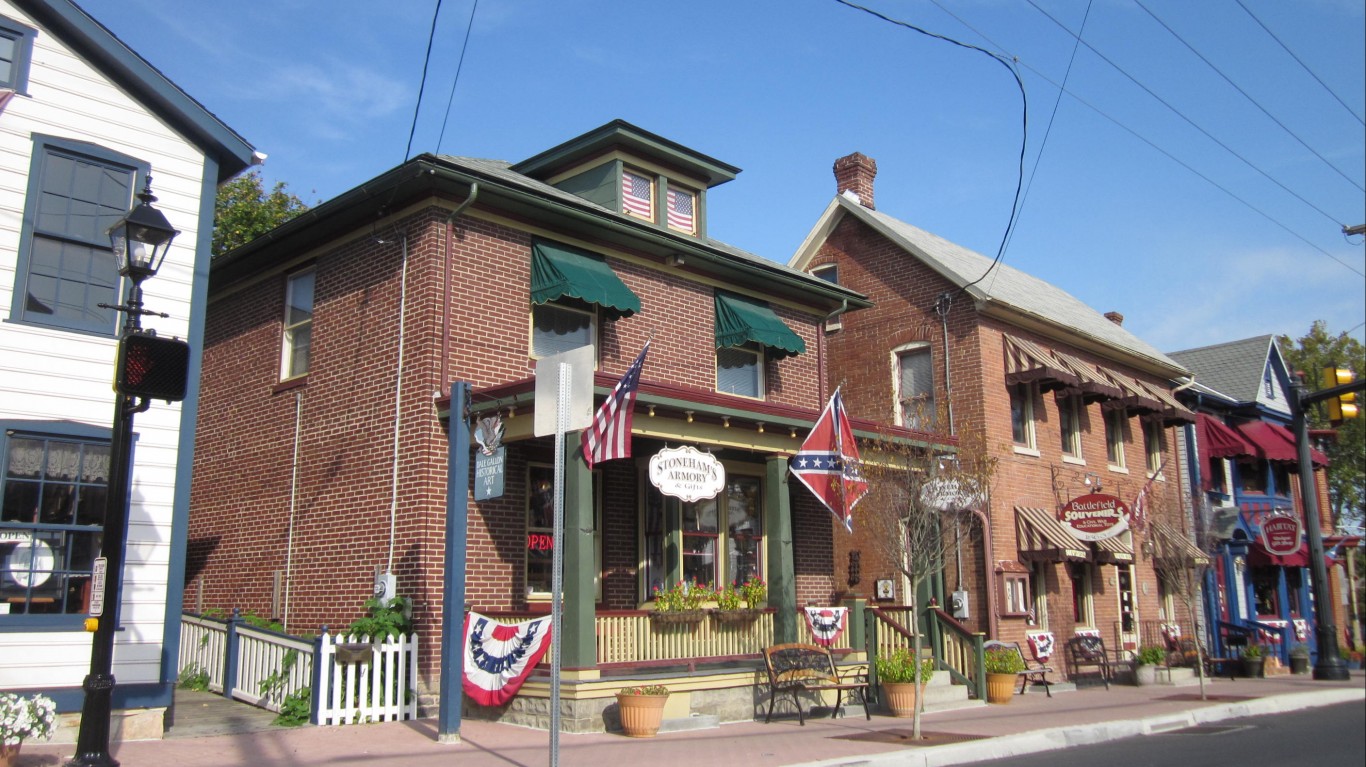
(855, 173)
(1115, 317)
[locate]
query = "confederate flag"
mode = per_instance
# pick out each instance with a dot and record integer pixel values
(828, 463)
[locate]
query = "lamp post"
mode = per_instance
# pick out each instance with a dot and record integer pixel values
(140, 239)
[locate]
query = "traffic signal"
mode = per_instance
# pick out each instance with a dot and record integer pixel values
(152, 367)
(1345, 404)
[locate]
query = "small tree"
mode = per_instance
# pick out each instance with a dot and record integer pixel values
(920, 513)
(244, 211)
(1180, 566)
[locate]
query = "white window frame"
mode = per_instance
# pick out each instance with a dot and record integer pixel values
(588, 310)
(831, 274)
(1116, 437)
(759, 357)
(290, 346)
(1086, 597)
(1025, 394)
(1154, 446)
(900, 354)
(1069, 426)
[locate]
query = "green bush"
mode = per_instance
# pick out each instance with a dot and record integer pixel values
(194, 678)
(295, 708)
(1150, 655)
(383, 619)
(1253, 651)
(1004, 660)
(899, 666)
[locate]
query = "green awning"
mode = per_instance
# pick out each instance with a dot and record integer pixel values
(741, 320)
(559, 270)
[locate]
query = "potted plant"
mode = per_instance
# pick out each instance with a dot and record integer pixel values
(1299, 658)
(680, 603)
(1254, 659)
(1002, 666)
(642, 709)
(898, 676)
(1149, 657)
(21, 719)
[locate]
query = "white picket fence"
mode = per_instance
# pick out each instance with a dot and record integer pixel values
(360, 681)
(364, 681)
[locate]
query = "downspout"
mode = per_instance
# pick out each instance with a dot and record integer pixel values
(820, 349)
(443, 384)
(941, 308)
(293, 493)
(993, 620)
(398, 401)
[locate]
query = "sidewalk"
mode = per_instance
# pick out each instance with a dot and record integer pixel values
(1030, 723)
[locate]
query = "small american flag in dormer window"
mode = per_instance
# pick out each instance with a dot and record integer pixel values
(637, 194)
(681, 210)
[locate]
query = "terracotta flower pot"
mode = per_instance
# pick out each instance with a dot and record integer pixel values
(899, 698)
(1000, 688)
(641, 715)
(9, 754)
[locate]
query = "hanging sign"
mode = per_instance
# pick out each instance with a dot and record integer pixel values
(1094, 517)
(1281, 535)
(687, 473)
(489, 459)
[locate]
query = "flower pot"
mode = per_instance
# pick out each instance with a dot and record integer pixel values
(1000, 688)
(742, 616)
(899, 698)
(680, 618)
(1299, 664)
(641, 715)
(1252, 667)
(9, 755)
(1145, 674)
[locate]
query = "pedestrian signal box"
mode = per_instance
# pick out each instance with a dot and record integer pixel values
(153, 367)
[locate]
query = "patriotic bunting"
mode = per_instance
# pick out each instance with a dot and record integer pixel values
(500, 656)
(827, 624)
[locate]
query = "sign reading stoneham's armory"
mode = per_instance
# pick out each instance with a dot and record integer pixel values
(687, 473)
(1094, 517)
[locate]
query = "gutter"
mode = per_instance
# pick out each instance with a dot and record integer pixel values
(443, 384)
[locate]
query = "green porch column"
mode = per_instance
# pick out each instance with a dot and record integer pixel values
(782, 578)
(578, 646)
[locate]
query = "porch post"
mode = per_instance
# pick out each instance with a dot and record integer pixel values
(782, 579)
(578, 640)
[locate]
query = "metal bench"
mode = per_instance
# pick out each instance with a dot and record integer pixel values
(1089, 652)
(1034, 672)
(797, 668)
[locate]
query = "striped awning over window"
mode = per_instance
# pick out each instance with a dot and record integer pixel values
(1173, 413)
(1171, 545)
(1040, 537)
(1026, 362)
(1091, 384)
(1114, 551)
(1133, 395)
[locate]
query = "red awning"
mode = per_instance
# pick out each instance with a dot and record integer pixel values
(1275, 443)
(1258, 556)
(1219, 441)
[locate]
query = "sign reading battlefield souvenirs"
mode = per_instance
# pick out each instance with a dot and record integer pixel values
(1281, 535)
(687, 473)
(1094, 517)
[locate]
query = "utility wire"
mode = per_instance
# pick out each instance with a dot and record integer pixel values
(1304, 66)
(464, 46)
(1024, 123)
(426, 61)
(1247, 96)
(1150, 143)
(1188, 120)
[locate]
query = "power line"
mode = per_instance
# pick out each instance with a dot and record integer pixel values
(1180, 114)
(1149, 142)
(1254, 102)
(1304, 66)
(1024, 123)
(464, 46)
(422, 86)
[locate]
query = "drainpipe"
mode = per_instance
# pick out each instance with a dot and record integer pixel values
(993, 621)
(820, 350)
(443, 384)
(398, 401)
(941, 308)
(293, 493)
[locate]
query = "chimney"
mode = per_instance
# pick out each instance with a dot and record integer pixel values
(854, 173)
(1115, 317)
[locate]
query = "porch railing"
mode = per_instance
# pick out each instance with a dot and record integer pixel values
(634, 637)
(959, 651)
(268, 666)
(203, 646)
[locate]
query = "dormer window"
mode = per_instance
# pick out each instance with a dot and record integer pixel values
(637, 195)
(682, 210)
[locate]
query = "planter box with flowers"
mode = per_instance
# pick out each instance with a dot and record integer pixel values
(680, 604)
(23, 719)
(752, 592)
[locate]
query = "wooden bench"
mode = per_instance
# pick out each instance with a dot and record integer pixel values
(797, 668)
(1089, 652)
(1034, 672)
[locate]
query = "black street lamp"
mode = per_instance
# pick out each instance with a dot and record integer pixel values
(141, 240)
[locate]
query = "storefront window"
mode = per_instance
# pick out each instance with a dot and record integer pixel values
(540, 530)
(1252, 475)
(717, 540)
(1266, 590)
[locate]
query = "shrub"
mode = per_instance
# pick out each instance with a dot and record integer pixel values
(194, 678)
(681, 597)
(899, 666)
(1150, 655)
(1253, 651)
(1004, 660)
(295, 709)
(384, 619)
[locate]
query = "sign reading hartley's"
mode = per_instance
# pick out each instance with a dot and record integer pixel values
(1094, 517)
(1281, 535)
(687, 473)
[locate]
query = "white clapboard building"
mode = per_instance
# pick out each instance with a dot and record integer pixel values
(84, 120)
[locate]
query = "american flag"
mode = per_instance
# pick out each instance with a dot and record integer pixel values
(1140, 510)
(680, 210)
(635, 194)
(609, 436)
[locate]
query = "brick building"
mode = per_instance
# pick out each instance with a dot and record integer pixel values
(1069, 403)
(332, 344)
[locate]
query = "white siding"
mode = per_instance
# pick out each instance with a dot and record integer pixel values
(49, 374)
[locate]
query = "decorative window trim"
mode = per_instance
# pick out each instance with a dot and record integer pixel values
(1116, 423)
(45, 147)
(1016, 591)
(929, 413)
(288, 348)
(23, 37)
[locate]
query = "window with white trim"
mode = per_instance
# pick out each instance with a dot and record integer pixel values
(1116, 434)
(1022, 415)
(1154, 444)
(298, 330)
(914, 386)
(53, 487)
(1069, 425)
(831, 274)
(1083, 608)
(740, 371)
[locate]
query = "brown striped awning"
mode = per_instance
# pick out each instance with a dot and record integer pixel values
(1133, 395)
(1039, 536)
(1114, 551)
(1027, 362)
(1091, 384)
(1172, 546)
(1173, 413)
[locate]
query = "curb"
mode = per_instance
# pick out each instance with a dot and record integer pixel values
(1065, 737)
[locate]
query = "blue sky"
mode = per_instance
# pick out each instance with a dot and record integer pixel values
(782, 89)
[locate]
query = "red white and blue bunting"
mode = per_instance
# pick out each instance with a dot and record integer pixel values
(500, 656)
(827, 624)
(1041, 644)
